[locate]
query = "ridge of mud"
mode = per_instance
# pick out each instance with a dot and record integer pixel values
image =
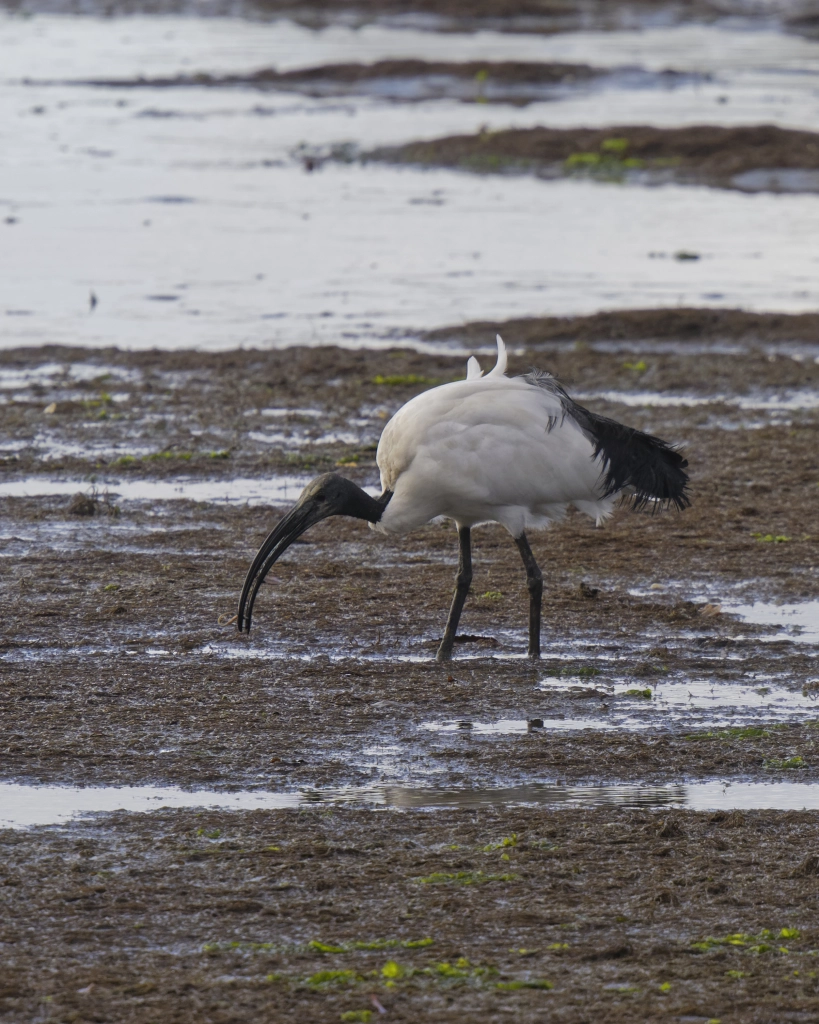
(353, 73)
(746, 158)
(410, 81)
(540, 16)
(680, 324)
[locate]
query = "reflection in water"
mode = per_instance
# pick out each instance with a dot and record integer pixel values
(517, 726)
(23, 806)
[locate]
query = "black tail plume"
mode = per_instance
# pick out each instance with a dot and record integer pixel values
(651, 469)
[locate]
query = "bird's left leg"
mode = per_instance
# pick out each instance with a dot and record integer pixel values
(534, 582)
(463, 581)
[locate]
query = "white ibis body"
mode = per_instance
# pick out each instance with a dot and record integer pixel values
(512, 450)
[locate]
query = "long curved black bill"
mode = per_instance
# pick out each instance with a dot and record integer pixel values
(291, 527)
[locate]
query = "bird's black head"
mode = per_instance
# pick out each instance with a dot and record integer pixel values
(333, 495)
(327, 495)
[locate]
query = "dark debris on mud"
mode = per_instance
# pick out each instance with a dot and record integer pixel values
(611, 916)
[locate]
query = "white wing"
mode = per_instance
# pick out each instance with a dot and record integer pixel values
(496, 448)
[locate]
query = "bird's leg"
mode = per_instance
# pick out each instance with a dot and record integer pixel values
(534, 582)
(463, 581)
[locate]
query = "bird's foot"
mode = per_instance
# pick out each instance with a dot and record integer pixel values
(444, 652)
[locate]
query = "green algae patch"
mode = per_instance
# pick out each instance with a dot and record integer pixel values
(504, 843)
(763, 942)
(323, 947)
(358, 945)
(784, 764)
(324, 978)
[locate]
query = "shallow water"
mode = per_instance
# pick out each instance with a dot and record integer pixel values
(55, 46)
(633, 705)
(295, 246)
(792, 401)
(194, 197)
(24, 806)
(251, 491)
(515, 726)
(799, 622)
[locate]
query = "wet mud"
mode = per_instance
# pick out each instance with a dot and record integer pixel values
(540, 16)
(137, 674)
(750, 159)
(679, 327)
(518, 83)
(119, 665)
(612, 916)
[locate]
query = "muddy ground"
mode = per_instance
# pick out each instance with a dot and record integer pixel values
(748, 158)
(119, 665)
(797, 16)
(513, 82)
(530, 915)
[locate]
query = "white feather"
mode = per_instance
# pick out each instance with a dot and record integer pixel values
(499, 368)
(491, 449)
(473, 369)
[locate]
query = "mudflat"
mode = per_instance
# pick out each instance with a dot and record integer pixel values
(120, 665)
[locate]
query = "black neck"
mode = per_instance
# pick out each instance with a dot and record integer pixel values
(360, 505)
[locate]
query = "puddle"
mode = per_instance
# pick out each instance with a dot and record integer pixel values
(791, 401)
(266, 254)
(693, 703)
(250, 490)
(515, 726)
(24, 806)
(800, 622)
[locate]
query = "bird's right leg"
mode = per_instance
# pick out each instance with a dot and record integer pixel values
(534, 583)
(463, 581)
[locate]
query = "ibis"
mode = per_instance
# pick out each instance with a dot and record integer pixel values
(491, 448)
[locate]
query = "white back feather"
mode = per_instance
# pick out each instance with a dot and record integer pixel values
(499, 368)
(473, 369)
